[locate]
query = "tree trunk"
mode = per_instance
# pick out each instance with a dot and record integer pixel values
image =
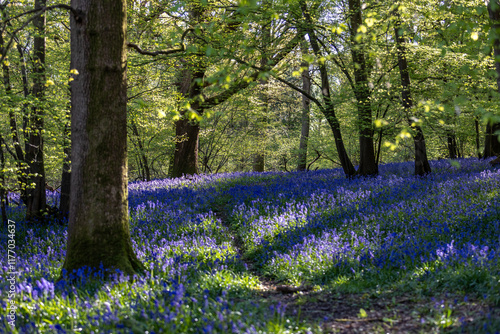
(379, 146)
(186, 148)
(3, 192)
(304, 133)
(478, 139)
(187, 131)
(491, 142)
(14, 133)
(98, 232)
(142, 154)
(259, 158)
(422, 166)
(36, 199)
(66, 170)
(367, 163)
(329, 109)
(452, 145)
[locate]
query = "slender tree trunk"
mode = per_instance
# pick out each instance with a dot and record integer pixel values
(66, 170)
(14, 133)
(142, 154)
(36, 199)
(98, 232)
(422, 166)
(491, 142)
(329, 110)
(3, 192)
(379, 145)
(259, 158)
(304, 133)
(367, 162)
(452, 145)
(478, 139)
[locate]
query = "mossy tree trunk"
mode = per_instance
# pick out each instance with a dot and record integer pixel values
(98, 230)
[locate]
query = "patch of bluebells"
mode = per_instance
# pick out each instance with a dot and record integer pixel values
(312, 226)
(185, 249)
(317, 227)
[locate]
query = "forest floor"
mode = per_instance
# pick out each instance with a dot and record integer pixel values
(384, 312)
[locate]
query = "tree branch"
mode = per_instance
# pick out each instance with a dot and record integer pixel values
(78, 14)
(161, 52)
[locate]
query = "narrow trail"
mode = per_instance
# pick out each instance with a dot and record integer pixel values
(335, 312)
(268, 285)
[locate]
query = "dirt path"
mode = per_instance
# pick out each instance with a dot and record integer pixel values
(355, 313)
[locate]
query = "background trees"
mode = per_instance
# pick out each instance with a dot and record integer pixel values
(196, 86)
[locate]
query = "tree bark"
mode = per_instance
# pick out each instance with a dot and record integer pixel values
(304, 133)
(186, 148)
(422, 166)
(36, 199)
(329, 109)
(367, 163)
(98, 232)
(187, 131)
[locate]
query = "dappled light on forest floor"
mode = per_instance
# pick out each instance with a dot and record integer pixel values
(274, 253)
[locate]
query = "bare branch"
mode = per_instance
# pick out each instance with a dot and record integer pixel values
(161, 52)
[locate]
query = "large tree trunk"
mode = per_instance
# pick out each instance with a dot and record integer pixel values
(491, 142)
(304, 133)
(186, 148)
(36, 199)
(367, 164)
(329, 110)
(98, 232)
(187, 131)
(422, 166)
